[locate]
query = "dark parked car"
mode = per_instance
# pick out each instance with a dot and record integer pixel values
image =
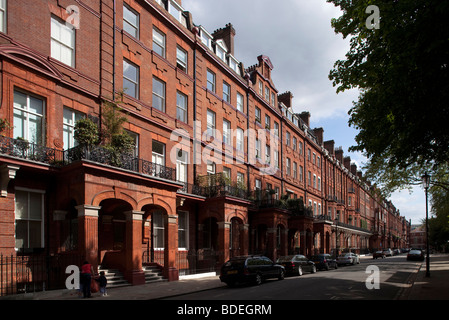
(379, 254)
(415, 254)
(324, 261)
(296, 264)
(253, 269)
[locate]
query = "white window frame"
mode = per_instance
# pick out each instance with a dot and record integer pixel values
(136, 27)
(26, 121)
(240, 142)
(57, 43)
(183, 228)
(240, 102)
(158, 96)
(181, 111)
(158, 230)
(211, 83)
(227, 132)
(211, 123)
(3, 16)
(135, 82)
(181, 59)
(42, 221)
(69, 127)
(158, 45)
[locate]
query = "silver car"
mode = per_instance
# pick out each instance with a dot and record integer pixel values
(348, 258)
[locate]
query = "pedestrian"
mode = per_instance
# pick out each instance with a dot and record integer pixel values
(102, 281)
(87, 271)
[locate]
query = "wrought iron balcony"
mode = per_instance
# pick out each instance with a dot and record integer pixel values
(20, 148)
(125, 161)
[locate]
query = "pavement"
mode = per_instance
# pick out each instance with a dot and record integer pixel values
(418, 286)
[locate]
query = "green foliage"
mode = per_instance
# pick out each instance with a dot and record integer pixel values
(86, 132)
(402, 72)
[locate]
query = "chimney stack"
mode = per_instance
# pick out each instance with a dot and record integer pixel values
(329, 146)
(318, 132)
(286, 98)
(227, 34)
(305, 116)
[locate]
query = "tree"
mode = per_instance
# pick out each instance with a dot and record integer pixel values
(402, 72)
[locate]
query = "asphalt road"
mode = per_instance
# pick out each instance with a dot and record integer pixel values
(344, 283)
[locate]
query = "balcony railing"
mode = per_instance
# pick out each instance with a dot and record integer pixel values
(294, 206)
(23, 149)
(105, 156)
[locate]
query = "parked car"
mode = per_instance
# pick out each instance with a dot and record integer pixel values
(348, 258)
(388, 252)
(379, 254)
(396, 252)
(415, 254)
(253, 269)
(324, 261)
(296, 264)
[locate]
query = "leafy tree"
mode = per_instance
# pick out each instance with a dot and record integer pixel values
(402, 73)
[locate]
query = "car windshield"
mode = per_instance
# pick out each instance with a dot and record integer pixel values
(415, 251)
(285, 259)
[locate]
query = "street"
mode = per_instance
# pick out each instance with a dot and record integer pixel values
(345, 283)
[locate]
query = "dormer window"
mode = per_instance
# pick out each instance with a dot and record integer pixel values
(206, 38)
(220, 50)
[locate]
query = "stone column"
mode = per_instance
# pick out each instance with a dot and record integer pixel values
(133, 253)
(88, 233)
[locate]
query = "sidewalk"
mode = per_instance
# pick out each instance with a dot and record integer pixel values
(435, 287)
(419, 287)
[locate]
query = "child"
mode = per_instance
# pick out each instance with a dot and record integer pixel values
(102, 281)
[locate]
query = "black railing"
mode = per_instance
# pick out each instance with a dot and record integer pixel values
(23, 149)
(124, 161)
(191, 189)
(33, 273)
(294, 206)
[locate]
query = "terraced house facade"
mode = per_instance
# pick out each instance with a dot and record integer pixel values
(221, 164)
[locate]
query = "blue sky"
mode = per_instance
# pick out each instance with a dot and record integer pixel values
(298, 37)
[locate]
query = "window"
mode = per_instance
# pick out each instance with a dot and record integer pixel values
(309, 178)
(226, 92)
(267, 94)
(240, 140)
(258, 151)
(287, 138)
(181, 59)
(29, 119)
(288, 166)
(159, 42)
(29, 214)
(210, 80)
(295, 170)
(319, 183)
(62, 42)
(240, 102)
(3, 23)
(70, 117)
(183, 228)
(130, 21)
(227, 132)
(273, 99)
(314, 181)
(210, 167)
(158, 94)
(260, 88)
(158, 230)
(300, 147)
(267, 122)
(276, 129)
(276, 159)
(294, 144)
(181, 107)
(267, 154)
(210, 123)
(131, 79)
(135, 138)
(240, 179)
(158, 156)
(257, 115)
(301, 175)
(181, 165)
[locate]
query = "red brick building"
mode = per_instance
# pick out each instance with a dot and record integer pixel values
(222, 166)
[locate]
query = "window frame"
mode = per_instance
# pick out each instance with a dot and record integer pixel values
(59, 42)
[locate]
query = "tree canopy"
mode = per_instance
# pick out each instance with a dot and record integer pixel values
(402, 72)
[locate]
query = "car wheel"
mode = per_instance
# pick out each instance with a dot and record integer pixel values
(258, 279)
(336, 266)
(299, 271)
(326, 267)
(281, 275)
(313, 269)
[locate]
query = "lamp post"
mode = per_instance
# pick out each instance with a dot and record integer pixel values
(337, 218)
(426, 183)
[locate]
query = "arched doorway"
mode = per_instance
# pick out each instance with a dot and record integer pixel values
(112, 233)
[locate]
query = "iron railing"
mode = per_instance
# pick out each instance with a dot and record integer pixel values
(33, 273)
(23, 149)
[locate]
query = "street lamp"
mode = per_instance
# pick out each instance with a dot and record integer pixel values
(426, 183)
(337, 218)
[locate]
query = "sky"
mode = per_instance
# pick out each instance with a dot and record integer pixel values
(298, 38)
